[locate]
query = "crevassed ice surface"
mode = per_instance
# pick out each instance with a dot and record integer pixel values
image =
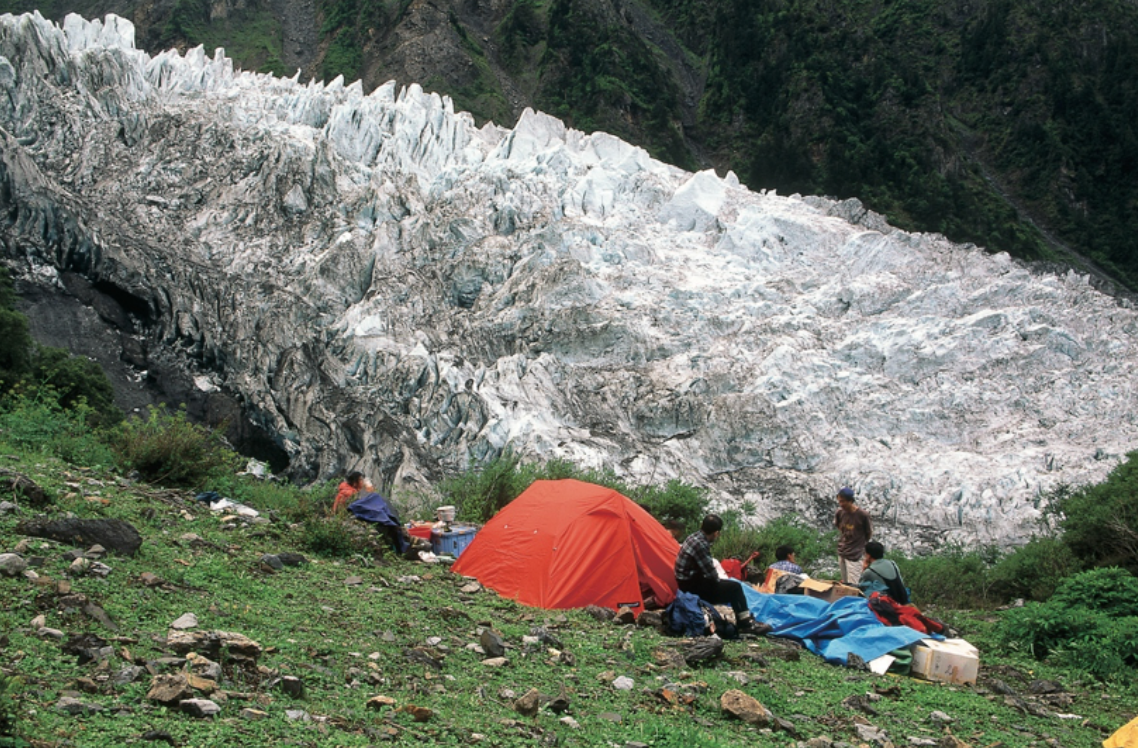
(390, 287)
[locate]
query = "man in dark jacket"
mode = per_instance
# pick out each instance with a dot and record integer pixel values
(881, 575)
(696, 573)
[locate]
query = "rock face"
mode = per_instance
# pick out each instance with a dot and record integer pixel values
(387, 287)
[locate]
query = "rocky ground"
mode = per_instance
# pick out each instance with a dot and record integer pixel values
(133, 613)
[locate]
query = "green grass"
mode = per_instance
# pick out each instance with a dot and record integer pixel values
(338, 638)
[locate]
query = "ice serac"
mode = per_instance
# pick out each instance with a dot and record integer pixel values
(388, 287)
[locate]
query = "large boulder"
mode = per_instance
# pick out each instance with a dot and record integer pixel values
(116, 535)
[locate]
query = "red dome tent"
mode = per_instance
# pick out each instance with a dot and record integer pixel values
(568, 544)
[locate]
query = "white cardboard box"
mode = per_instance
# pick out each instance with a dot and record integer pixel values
(951, 660)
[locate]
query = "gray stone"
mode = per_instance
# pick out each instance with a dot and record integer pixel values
(185, 621)
(7, 507)
(292, 686)
(623, 683)
(200, 708)
(492, 643)
(12, 564)
(117, 535)
(75, 707)
(271, 562)
(128, 674)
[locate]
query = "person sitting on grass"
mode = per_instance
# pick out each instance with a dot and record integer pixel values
(879, 574)
(696, 574)
(349, 489)
(784, 556)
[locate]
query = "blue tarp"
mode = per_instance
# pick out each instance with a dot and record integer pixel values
(830, 630)
(371, 507)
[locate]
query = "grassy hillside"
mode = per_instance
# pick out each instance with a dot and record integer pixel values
(352, 624)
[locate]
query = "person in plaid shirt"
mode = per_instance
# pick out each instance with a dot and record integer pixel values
(696, 573)
(785, 562)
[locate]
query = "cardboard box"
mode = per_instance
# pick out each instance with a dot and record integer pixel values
(827, 590)
(951, 661)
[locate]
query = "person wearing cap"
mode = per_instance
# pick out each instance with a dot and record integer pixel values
(854, 531)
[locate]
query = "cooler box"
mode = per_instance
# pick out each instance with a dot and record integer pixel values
(453, 542)
(951, 660)
(420, 531)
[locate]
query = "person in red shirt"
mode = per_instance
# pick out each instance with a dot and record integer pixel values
(349, 489)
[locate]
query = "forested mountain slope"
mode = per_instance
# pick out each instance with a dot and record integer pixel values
(1007, 123)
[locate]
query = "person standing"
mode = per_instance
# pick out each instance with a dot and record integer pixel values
(854, 531)
(695, 573)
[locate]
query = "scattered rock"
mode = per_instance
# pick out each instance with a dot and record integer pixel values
(419, 713)
(1044, 687)
(624, 616)
(380, 702)
(702, 649)
(159, 735)
(213, 643)
(354, 581)
(22, 486)
(12, 564)
(571, 723)
(471, 588)
(75, 707)
(297, 715)
(871, 734)
(604, 615)
(651, 619)
(948, 740)
(128, 674)
(941, 717)
(270, 562)
(203, 666)
(860, 703)
(169, 690)
(49, 633)
(117, 535)
(495, 662)
(292, 686)
(623, 683)
(292, 559)
(39, 621)
(744, 707)
(7, 507)
(559, 704)
(150, 580)
(185, 621)
(611, 717)
(78, 567)
(528, 704)
(492, 643)
(95, 552)
(99, 569)
(198, 683)
(253, 714)
(200, 708)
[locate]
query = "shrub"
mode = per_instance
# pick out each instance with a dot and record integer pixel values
(1108, 651)
(1113, 592)
(167, 448)
(953, 578)
(1100, 522)
(790, 529)
(1040, 628)
(44, 426)
(295, 503)
(674, 500)
(1032, 571)
(337, 538)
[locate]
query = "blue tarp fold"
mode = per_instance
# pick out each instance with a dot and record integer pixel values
(830, 630)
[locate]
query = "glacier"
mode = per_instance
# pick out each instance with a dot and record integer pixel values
(388, 287)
